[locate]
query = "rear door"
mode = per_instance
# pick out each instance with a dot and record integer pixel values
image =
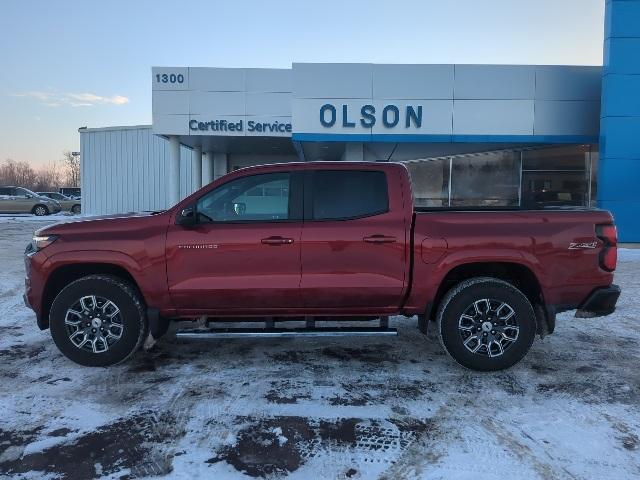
(353, 240)
(243, 255)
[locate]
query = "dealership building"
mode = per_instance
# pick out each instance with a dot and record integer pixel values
(528, 136)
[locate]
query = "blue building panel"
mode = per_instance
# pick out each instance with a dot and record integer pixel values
(621, 55)
(621, 137)
(620, 95)
(622, 21)
(625, 214)
(619, 170)
(619, 180)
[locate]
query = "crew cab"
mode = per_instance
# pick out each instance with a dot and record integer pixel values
(334, 241)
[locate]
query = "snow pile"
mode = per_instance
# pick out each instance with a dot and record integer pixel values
(320, 408)
(629, 254)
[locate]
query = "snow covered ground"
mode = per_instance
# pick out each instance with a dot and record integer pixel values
(320, 408)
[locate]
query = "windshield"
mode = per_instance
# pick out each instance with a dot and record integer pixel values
(25, 192)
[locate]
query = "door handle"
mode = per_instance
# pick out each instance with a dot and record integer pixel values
(276, 240)
(379, 239)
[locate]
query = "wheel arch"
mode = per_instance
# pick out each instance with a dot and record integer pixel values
(517, 274)
(65, 274)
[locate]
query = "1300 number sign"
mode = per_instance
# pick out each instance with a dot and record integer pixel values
(169, 78)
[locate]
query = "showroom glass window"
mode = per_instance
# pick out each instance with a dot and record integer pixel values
(430, 181)
(531, 178)
(256, 198)
(488, 179)
(556, 176)
(345, 194)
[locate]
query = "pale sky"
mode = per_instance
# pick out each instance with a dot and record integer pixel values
(67, 64)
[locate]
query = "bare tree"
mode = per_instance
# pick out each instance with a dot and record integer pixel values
(21, 174)
(17, 173)
(48, 178)
(71, 161)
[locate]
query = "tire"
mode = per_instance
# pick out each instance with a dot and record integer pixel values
(122, 333)
(40, 210)
(76, 209)
(496, 314)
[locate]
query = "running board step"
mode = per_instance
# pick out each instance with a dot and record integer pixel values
(286, 332)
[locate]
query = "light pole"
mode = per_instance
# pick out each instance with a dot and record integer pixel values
(76, 171)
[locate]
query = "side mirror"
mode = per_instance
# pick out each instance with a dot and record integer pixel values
(187, 216)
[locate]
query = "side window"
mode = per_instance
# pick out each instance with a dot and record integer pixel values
(6, 191)
(344, 194)
(255, 198)
(21, 192)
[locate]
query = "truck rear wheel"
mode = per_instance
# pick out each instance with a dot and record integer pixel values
(486, 324)
(98, 320)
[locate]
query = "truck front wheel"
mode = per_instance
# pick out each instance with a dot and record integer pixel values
(486, 324)
(98, 320)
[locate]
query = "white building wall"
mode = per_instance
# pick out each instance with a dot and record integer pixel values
(184, 94)
(125, 169)
(456, 100)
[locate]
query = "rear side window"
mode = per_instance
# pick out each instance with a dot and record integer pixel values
(344, 194)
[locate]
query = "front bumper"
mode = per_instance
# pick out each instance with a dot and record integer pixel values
(33, 287)
(601, 302)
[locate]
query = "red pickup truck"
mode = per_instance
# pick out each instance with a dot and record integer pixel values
(331, 241)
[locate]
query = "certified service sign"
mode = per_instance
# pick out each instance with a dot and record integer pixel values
(251, 127)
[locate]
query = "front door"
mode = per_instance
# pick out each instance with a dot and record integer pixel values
(354, 254)
(243, 255)
(24, 200)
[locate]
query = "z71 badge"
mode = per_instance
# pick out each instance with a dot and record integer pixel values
(579, 245)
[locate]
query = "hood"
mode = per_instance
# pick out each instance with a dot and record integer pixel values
(96, 222)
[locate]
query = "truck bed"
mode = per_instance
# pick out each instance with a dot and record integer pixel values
(556, 245)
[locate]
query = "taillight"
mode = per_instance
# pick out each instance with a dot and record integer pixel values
(609, 254)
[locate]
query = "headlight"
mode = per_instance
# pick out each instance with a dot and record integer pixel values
(38, 242)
